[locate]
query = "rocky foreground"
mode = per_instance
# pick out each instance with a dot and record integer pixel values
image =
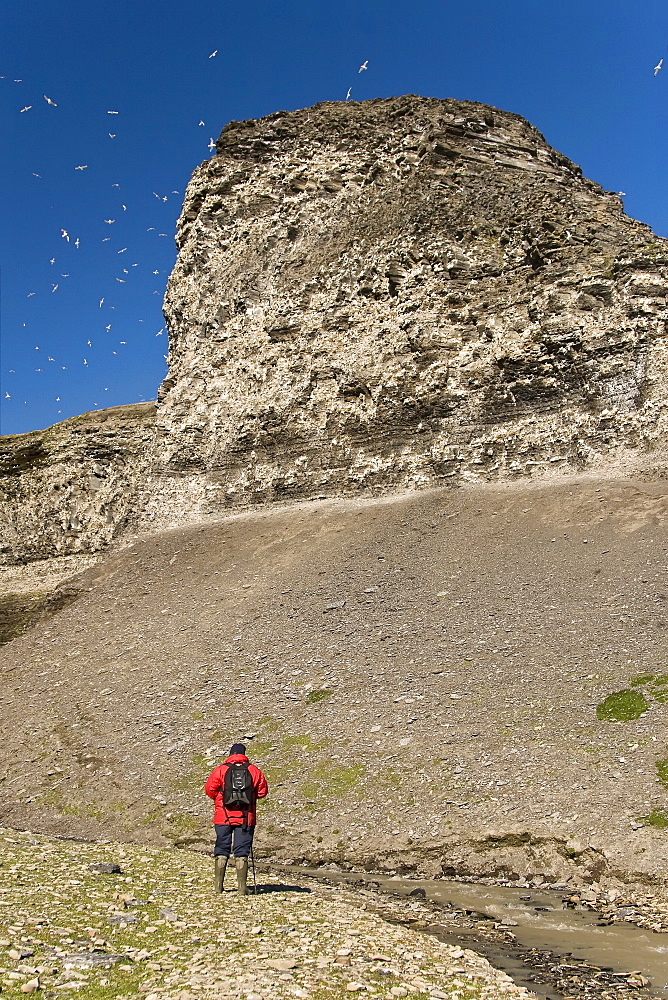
(115, 921)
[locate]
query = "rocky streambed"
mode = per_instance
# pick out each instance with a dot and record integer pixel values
(114, 921)
(558, 942)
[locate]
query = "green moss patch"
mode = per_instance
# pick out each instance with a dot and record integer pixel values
(622, 706)
(641, 679)
(658, 818)
(315, 696)
(662, 771)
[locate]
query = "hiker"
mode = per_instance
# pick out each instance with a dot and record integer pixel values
(235, 786)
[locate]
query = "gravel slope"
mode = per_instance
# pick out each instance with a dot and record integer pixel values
(468, 635)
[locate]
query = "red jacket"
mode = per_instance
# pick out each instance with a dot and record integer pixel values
(214, 789)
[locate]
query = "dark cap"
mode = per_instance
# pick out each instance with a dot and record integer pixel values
(238, 748)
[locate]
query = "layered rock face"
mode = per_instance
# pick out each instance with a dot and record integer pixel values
(369, 297)
(404, 292)
(71, 488)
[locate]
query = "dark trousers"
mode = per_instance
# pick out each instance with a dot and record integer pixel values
(243, 840)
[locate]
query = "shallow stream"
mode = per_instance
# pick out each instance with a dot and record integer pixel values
(539, 921)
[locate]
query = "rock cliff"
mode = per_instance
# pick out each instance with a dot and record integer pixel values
(369, 297)
(403, 292)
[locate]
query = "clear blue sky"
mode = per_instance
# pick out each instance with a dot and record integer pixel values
(580, 70)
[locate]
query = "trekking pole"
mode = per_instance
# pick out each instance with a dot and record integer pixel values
(253, 865)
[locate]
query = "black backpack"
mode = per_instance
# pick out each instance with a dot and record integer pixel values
(238, 789)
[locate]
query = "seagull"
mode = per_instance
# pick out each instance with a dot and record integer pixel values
(156, 272)
(108, 328)
(106, 239)
(85, 362)
(112, 112)
(201, 123)
(29, 295)
(124, 207)
(101, 301)
(115, 185)
(112, 135)
(50, 359)
(164, 197)
(365, 65)
(49, 101)
(109, 221)
(622, 194)
(84, 166)
(52, 261)
(150, 228)
(349, 93)
(36, 175)
(7, 396)
(160, 332)
(122, 280)
(658, 67)
(212, 145)
(77, 242)
(122, 251)
(54, 288)
(89, 343)
(27, 108)
(214, 53)
(65, 235)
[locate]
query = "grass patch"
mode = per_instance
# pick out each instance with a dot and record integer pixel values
(622, 706)
(640, 679)
(658, 818)
(315, 696)
(662, 771)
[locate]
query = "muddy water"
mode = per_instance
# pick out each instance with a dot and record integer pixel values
(538, 919)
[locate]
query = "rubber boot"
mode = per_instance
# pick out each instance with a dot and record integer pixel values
(220, 863)
(241, 865)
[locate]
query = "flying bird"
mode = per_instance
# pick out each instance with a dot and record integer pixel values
(90, 344)
(49, 101)
(101, 301)
(29, 295)
(7, 396)
(84, 166)
(115, 185)
(365, 65)
(65, 235)
(77, 242)
(27, 108)
(124, 207)
(214, 53)
(109, 221)
(212, 145)
(112, 135)
(112, 112)
(349, 93)
(36, 175)
(108, 328)
(122, 251)
(122, 280)
(52, 261)
(54, 288)
(658, 67)
(85, 362)
(201, 123)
